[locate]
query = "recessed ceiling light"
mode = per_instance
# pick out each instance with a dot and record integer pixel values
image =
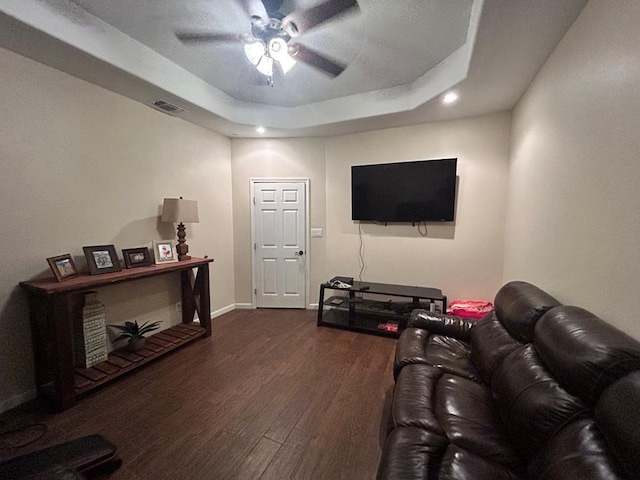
(450, 97)
(261, 129)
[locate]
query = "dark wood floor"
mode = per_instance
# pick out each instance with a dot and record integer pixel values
(269, 396)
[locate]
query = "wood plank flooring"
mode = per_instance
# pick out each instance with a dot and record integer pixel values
(268, 396)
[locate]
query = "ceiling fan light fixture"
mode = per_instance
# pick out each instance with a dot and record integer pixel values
(265, 66)
(290, 28)
(277, 48)
(255, 52)
(287, 63)
(271, 31)
(279, 51)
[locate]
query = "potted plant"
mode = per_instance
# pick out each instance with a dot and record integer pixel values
(135, 333)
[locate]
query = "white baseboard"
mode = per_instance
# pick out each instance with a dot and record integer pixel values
(223, 310)
(18, 400)
(231, 308)
(244, 306)
(249, 306)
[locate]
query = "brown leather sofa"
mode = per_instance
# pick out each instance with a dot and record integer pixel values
(533, 390)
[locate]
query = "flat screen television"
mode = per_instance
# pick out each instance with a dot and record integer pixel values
(423, 190)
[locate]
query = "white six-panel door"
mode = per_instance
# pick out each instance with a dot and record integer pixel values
(279, 219)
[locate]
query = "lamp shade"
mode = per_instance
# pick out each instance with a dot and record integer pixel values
(180, 210)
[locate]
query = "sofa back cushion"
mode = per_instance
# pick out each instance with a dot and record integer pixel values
(583, 352)
(532, 404)
(618, 415)
(490, 344)
(577, 452)
(519, 305)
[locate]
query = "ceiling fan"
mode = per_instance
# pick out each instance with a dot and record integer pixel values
(270, 41)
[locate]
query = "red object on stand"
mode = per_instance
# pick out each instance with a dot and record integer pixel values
(470, 308)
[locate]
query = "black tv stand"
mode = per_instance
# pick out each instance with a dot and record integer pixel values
(365, 306)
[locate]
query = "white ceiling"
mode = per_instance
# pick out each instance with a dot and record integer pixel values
(401, 56)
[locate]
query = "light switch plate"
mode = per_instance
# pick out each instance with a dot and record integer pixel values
(316, 233)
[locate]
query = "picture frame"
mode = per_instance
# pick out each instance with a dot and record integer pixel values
(136, 257)
(63, 267)
(164, 251)
(102, 259)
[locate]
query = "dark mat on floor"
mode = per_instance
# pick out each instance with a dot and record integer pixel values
(81, 455)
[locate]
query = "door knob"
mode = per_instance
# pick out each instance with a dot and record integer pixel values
(300, 253)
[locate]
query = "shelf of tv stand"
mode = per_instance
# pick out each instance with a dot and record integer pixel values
(376, 307)
(53, 306)
(362, 322)
(370, 315)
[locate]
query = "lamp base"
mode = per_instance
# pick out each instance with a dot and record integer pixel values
(182, 248)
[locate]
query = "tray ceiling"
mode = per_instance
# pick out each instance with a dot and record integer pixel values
(401, 57)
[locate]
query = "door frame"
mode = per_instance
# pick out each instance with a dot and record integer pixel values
(254, 285)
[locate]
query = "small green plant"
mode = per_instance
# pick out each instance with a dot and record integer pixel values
(132, 330)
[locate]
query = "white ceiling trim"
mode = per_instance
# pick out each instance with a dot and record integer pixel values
(100, 40)
(71, 24)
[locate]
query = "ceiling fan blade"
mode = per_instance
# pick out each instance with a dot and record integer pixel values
(255, 9)
(300, 53)
(306, 20)
(204, 37)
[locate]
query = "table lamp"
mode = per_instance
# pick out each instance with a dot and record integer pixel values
(178, 210)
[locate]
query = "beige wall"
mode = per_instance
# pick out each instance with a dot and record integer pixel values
(83, 166)
(463, 259)
(573, 219)
(289, 158)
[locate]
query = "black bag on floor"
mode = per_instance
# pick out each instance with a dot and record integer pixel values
(69, 460)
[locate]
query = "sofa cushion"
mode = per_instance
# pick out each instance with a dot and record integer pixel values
(519, 305)
(442, 324)
(411, 453)
(465, 410)
(447, 353)
(490, 344)
(460, 464)
(410, 349)
(451, 356)
(618, 415)
(413, 398)
(453, 407)
(532, 404)
(577, 452)
(585, 353)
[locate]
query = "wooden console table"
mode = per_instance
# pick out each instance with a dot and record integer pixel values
(52, 306)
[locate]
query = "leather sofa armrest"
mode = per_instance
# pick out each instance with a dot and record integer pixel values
(441, 324)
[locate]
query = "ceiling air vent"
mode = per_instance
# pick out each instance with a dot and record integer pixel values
(167, 107)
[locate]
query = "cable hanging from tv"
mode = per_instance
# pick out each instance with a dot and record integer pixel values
(361, 253)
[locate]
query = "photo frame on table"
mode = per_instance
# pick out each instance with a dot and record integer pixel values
(164, 251)
(102, 259)
(136, 257)
(63, 267)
